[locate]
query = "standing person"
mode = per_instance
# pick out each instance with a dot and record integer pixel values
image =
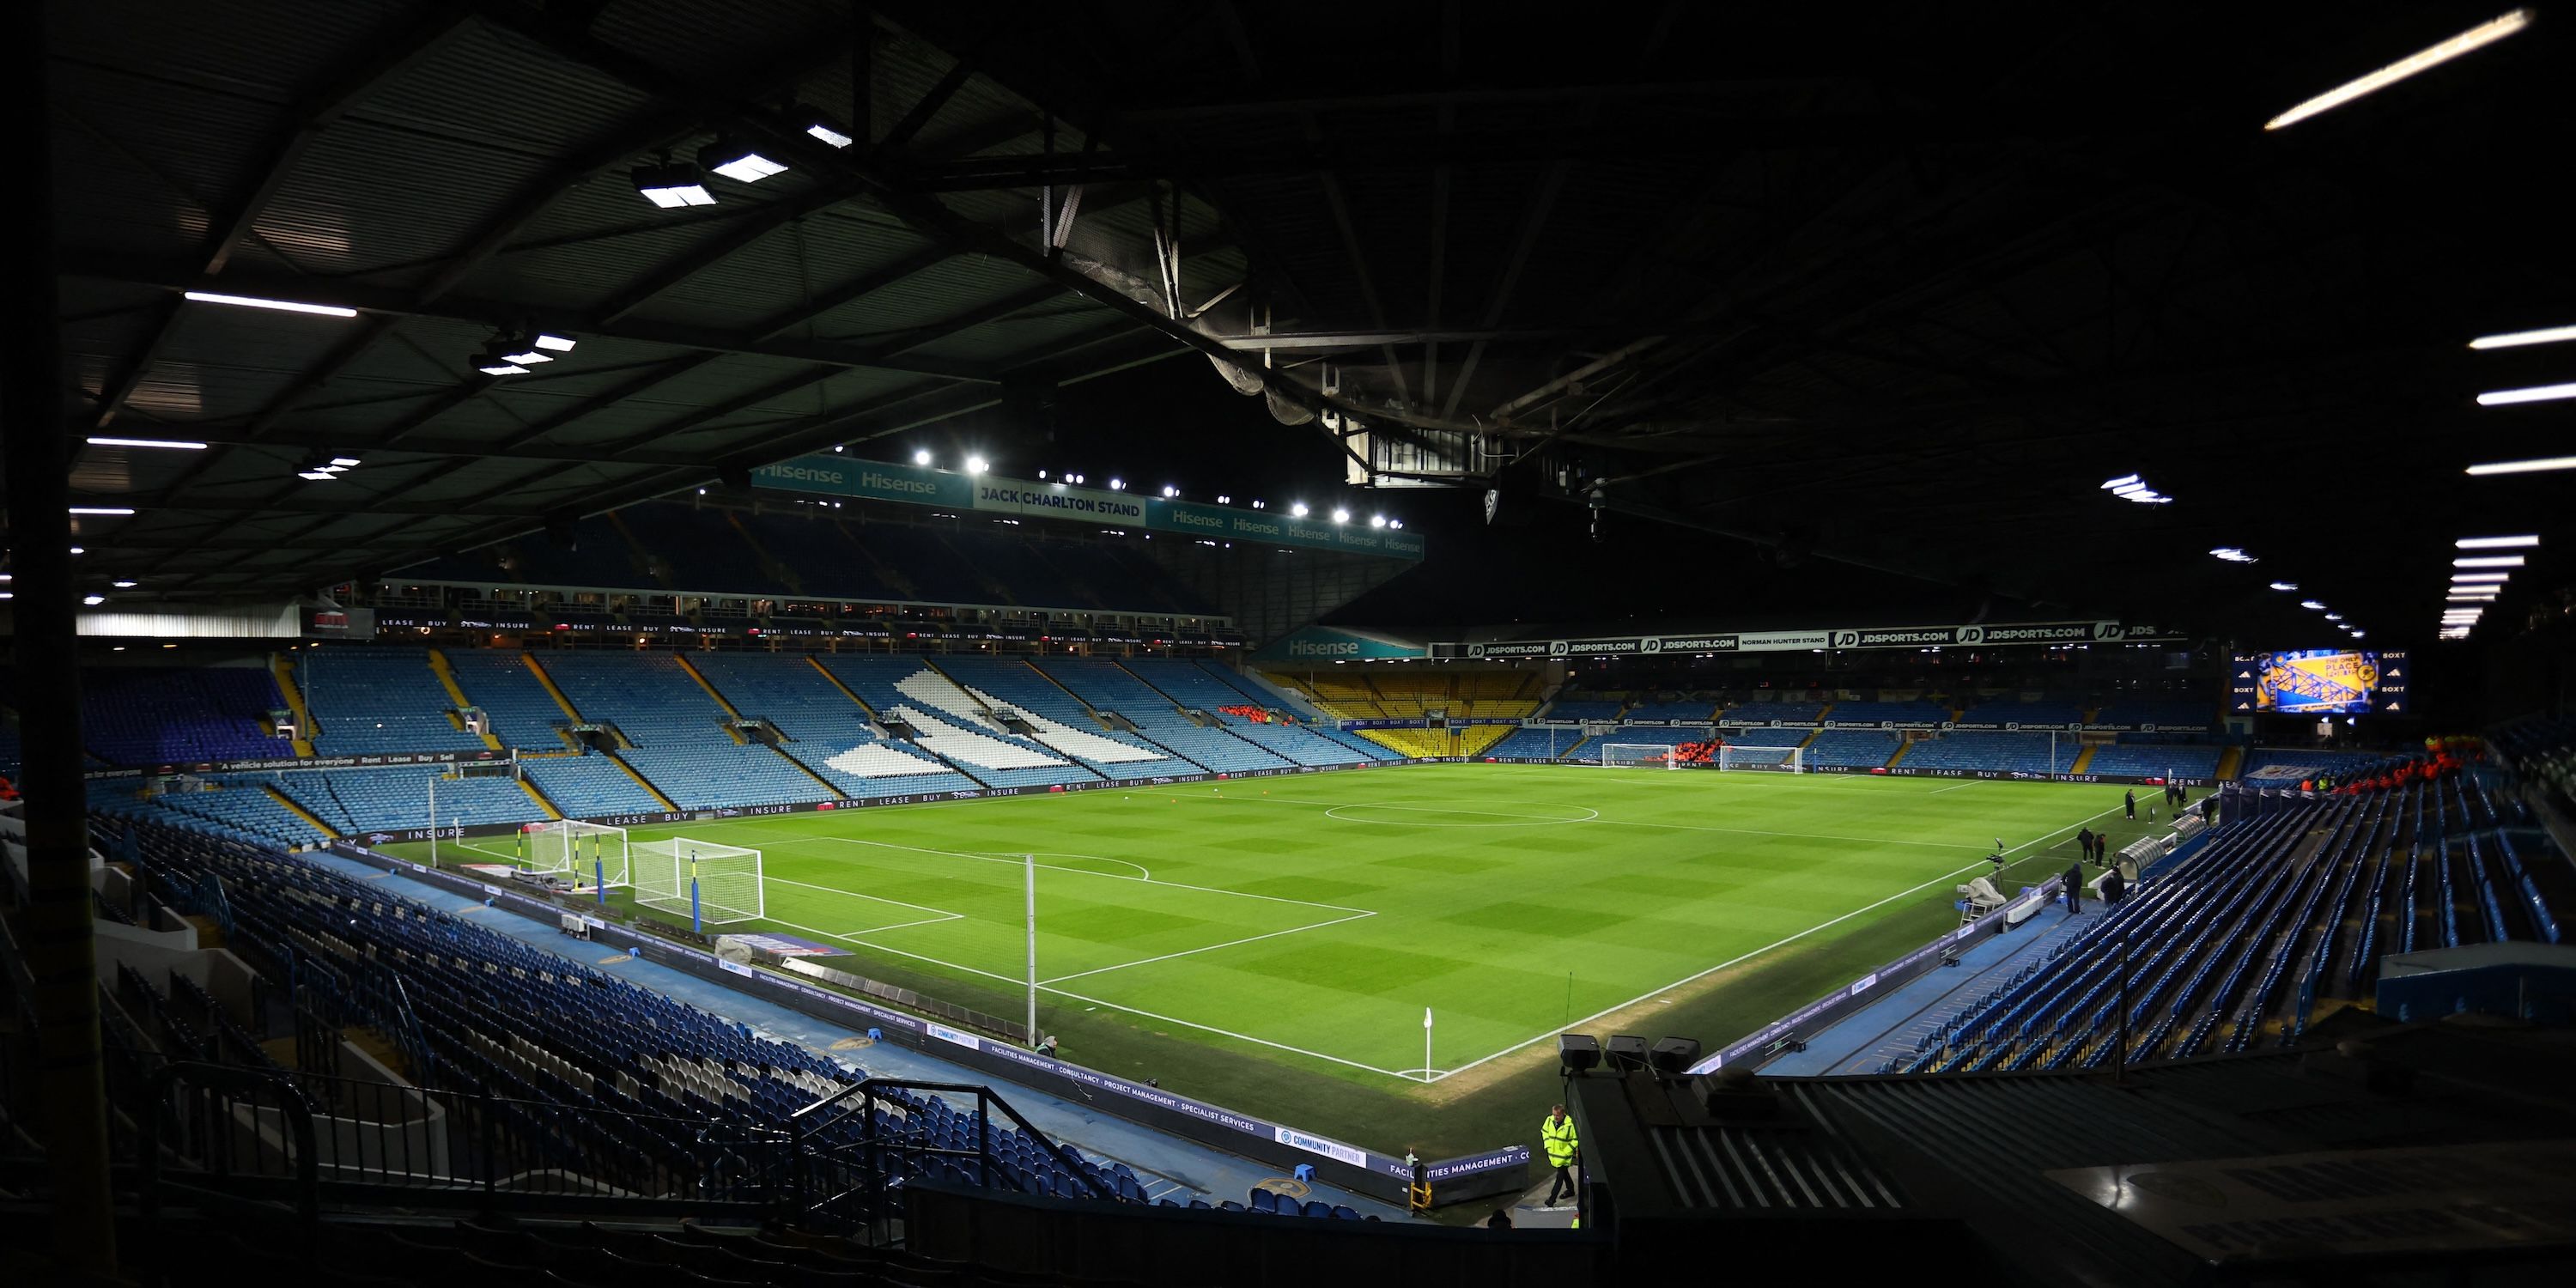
(2074, 888)
(2133, 802)
(2113, 887)
(1556, 1132)
(2084, 842)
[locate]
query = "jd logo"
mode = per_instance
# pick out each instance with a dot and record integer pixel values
(1972, 634)
(1556, 648)
(2109, 630)
(1654, 645)
(1846, 639)
(1475, 650)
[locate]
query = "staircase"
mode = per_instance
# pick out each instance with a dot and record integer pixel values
(294, 696)
(447, 680)
(2083, 758)
(549, 682)
(301, 812)
(2231, 761)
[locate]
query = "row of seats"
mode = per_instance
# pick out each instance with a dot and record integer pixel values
(180, 714)
(378, 698)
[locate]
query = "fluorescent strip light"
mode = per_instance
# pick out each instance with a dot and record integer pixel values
(318, 476)
(746, 166)
(501, 369)
(2470, 597)
(829, 135)
(2516, 339)
(2334, 617)
(102, 509)
(146, 442)
(526, 357)
(126, 585)
(2424, 60)
(2536, 393)
(557, 343)
(2488, 561)
(2526, 467)
(2496, 543)
(2471, 578)
(283, 306)
(2125, 481)
(2285, 585)
(2312, 605)
(345, 462)
(93, 600)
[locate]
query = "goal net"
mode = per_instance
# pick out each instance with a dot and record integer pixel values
(577, 849)
(1649, 755)
(709, 883)
(1787, 760)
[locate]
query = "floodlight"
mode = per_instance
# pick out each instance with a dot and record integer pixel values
(1341, 516)
(1223, 499)
(672, 185)
(146, 442)
(2474, 38)
(1377, 520)
(1673, 1057)
(125, 585)
(2334, 617)
(2312, 605)
(559, 344)
(739, 161)
(1169, 491)
(345, 462)
(93, 600)
(921, 456)
(975, 465)
(1117, 484)
(1395, 523)
(2464, 543)
(283, 306)
(1297, 510)
(102, 509)
(2285, 585)
(2516, 339)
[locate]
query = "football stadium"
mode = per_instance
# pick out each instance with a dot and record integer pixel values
(1138, 643)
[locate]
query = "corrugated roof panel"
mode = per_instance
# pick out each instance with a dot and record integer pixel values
(488, 84)
(365, 195)
(1036, 329)
(692, 35)
(954, 286)
(157, 165)
(277, 47)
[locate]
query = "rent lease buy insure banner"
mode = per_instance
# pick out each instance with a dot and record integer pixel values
(1021, 498)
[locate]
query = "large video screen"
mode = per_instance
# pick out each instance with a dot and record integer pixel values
(2319, 682)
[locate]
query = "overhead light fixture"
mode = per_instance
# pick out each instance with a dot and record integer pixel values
(125, 585)
(921, 456)
(2517, 339)
(2334, 617)
(2125, 480)
(1341, 515)
(2285, 585)
(975, 465)
(2536, 393)
(556, 343)
(672, 185)
(147, 442)
(491, 363)
(2488, 561)
(1395, 523)
(1169, 491)
(102, 509)
(93, 600)
(2233, 555)
(2474, 38)
(2526, 467)
(78, 551)
(1377, 520)
(2357, 632)
(2312, 605)
(2497, 543)
(1223, 499)
(318, 476)
(525, 356)
(282, 306)
(832, 133)
(1117, 484)
(1297, 510)
(2463, 578)
(345, 462)
(738, 161)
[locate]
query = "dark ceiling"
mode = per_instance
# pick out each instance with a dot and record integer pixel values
(1887, 287)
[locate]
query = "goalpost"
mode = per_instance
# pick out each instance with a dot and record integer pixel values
(1786, 760)
(578, 849)
(709, 883)
(1653, 755)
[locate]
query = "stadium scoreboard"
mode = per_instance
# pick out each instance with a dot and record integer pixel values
(2319, 682)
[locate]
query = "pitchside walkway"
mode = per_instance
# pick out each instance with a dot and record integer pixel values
(1892, 1025)
(1170, 1166)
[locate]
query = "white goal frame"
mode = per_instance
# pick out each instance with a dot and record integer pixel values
(579, 850)
(710, 883)
(1779, 760)
(1639, 755)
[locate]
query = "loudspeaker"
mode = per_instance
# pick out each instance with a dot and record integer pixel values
(1627, 1053)
(1674, 1056)
(1577, 1052)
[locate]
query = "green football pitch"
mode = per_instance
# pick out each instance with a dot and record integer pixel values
(1279, 939)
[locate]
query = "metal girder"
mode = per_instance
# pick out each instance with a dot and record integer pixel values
(421, 36)
(699, 258)
(288, 505)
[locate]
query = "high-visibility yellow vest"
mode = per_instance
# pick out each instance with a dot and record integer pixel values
(1559, 1137)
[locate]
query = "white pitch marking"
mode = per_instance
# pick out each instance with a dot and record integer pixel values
(1188, 952)
(1951, 788)
(1106, 876)
(1527, 820)
(1759, 951)
(943, 913)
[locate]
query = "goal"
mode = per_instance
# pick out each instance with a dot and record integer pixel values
(1785, 760)
(1643, 755)
(578, 850)
(708, 883)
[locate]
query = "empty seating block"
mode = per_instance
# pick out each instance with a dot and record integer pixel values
(368, 800)
(1852, 748)
(2023, 713)
(1585, 709)
(1534, 743)
(370, 699)
(1109, 687)
(825, 731)
(589, 786)
(1196, 688)
(179, 715)
(521, 712)
(2027, 753)
(1678, 711)
(1760, 713)
(1916, 712)
(948, 722)
(1062, 723)
(2154, 760)
(2161, 713)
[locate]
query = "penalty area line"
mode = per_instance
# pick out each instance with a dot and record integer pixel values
(1740, 959)
(1192, 952)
